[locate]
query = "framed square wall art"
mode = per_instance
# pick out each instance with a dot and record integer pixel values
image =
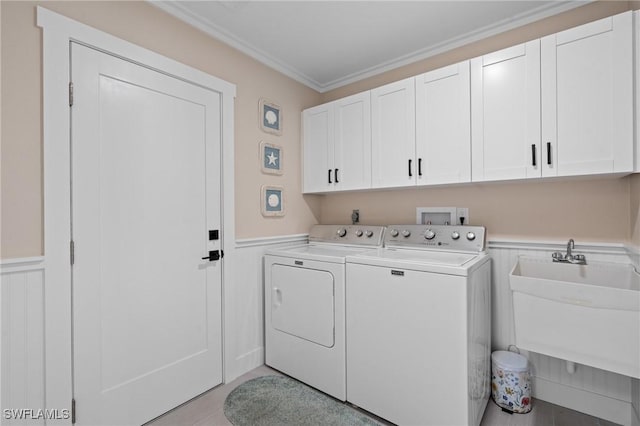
(271, 158)
(270, 117)
(272, 200)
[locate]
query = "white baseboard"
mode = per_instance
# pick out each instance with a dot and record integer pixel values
(601, 406)
(247, 362)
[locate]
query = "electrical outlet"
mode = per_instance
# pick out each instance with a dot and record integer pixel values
(462, 212)
(355, 216)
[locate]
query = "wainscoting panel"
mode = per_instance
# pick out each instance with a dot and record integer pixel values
(248, 301)
(590, 390)
(22, 324)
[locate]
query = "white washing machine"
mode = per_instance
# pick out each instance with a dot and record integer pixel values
(419, 326)
(305, 304)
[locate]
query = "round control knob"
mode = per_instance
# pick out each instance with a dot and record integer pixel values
(359, 233)
(394, 233)
(429, 235)
(455, 235)
(471, 236)
(369, 233)
(406, 233)
(341, 232)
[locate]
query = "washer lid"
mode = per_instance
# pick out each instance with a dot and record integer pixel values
(420, 260)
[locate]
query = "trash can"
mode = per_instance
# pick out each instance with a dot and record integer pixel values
(510, 381)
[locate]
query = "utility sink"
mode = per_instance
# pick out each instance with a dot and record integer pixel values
(588, 314)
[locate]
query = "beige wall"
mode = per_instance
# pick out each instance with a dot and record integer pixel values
(598, 209)
(147, 26)
(587, 210)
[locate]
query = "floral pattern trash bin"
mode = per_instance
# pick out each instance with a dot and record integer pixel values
(510, 381)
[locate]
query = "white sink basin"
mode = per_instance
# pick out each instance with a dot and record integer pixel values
(589, 314)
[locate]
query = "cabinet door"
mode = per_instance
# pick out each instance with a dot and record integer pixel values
(393, 134)
(505, 111)
(318, 134)
(587, 98)
(352, 147)
(443, 125)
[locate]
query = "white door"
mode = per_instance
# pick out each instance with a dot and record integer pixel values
(587, 98)
(505, 113)
(443, 125)
(393, 135)
(352, 147)
(145, 192)
(318, 134)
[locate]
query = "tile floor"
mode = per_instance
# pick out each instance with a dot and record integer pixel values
(207, 410)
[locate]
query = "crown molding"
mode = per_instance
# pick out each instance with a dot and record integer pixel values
(178, 10)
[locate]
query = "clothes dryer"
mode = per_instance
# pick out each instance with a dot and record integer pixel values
(305, 304)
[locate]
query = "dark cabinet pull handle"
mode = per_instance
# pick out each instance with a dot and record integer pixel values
(330, 176)
(335, 174)
(419, 166)
(533, 155)
(549, 153)
(410, 174)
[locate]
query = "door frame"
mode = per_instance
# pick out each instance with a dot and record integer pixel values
(58, 31)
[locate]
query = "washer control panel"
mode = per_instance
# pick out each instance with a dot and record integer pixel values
(347, 234)
(436, 237)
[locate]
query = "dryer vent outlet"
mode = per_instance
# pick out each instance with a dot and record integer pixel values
(355, 216)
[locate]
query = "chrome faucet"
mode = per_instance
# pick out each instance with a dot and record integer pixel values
(569, 257)
(570, 246)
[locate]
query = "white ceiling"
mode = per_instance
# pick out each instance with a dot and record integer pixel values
(328, 44)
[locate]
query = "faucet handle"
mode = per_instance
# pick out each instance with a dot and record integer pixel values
(580, 259)
(557, 257)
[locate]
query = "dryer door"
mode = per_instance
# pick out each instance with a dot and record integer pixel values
(302, 303)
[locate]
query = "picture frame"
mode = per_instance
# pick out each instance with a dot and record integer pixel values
(272, 200)
(270, 116)
(271, 157)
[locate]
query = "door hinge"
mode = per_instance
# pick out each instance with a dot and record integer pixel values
(73, 410)
(70, 94)
(72, 250)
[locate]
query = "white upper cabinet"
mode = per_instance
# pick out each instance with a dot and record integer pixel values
(337, 145)
(443, 125)
(562, 105)
(587, 98)
(393, 134)
(318, 127)
(505, 111)
(352, 147)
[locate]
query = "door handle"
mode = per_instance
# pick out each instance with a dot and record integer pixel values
(213, 255)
